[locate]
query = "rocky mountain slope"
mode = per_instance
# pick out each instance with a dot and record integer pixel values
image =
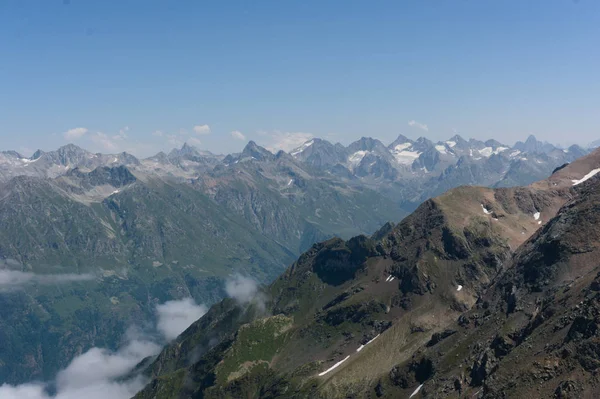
(430, 307)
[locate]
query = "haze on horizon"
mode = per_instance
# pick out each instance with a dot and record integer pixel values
(146, 77)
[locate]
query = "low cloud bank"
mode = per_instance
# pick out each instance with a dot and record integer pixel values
(175, 316)
(15, 279)
(245, 290)
(12, 280)
(99, 373)
(92, 375)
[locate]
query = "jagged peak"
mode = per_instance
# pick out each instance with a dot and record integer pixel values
(70, 147)
(256, 151)
(531, 139)
(458, 139)
(401, 139)
(424, 140)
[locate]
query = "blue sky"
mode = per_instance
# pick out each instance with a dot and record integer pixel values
(140, 75)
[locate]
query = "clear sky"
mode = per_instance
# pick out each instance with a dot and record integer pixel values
(113, 75)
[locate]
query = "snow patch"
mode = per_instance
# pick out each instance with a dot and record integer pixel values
(362, 346)
(115, 160)
(406, 157)
(334, 366)
(302, 148)
(536, 216)
(290, 182)
(486, 152)
(540, 222)
(489, 151)
(460, 287)
(358, 156)
(416, 391)
(388, 278)
(377, 336)
(402, 147)
(441, 149)
(586, 177)
(514, 153)
(115, 192)
(392, 279)
(451, 143)
(485, 210)
(403, 155)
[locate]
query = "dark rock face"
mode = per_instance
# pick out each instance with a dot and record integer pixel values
(568, 390)
(482, 368)
(115, 176)
(339, 262)
(438, 337)
(416, 371)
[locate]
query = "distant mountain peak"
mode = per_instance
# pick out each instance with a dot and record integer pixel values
(254, 150)
(37, 154)
(70, 148)
(401, 139)
(531, 139)
(458, 139)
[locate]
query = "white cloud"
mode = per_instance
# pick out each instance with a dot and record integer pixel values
(285, 141)
(122, 135)
(241, 288)
(202, 129)
(100, 373)
(25, 391)
(157, 133)
(174, 140)
(175, 316)
(75, 133)
(194, 141)
(418, 125)
(245, 290)
(11, 280)
(95, 374)
(105, 141)
(236, 134)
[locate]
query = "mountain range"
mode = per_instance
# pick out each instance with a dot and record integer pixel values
(479, 293)
(177, 225)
